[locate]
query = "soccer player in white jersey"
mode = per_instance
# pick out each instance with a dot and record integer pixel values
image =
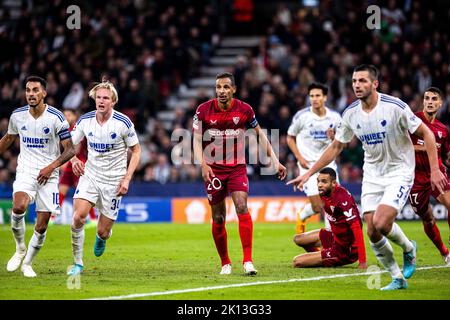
(42, 129)
(105, 178)
(382, 123)
(311, 132)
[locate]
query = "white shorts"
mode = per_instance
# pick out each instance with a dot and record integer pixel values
(310, 187)
(103, 196)
(392, 192)
(46, 196)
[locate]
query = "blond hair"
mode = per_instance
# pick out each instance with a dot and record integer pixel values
(105, 85)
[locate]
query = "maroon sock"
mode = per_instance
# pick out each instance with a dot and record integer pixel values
(61, 199)
(246, 234)
(435, 236)
(220, 239)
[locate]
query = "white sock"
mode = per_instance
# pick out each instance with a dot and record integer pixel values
(18, 229)
(385, 254)
(327, 224)
(306, 212)
(77, 244)
(35, 244)
(397, 236)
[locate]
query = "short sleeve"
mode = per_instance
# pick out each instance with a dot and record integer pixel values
(295, 127)
(344, 132)
(251, 118)
(12, 128)
(62, 128)
(197, 121)
(78, 133)
(130, 137)
(409, 120)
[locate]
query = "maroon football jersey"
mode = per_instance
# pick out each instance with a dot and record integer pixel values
(341, 211)
(442, 143)
(224, 131)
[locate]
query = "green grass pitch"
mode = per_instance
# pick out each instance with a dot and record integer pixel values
(156, 258)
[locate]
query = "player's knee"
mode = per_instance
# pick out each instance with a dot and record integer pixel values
(382, 227)
(428, 220)
(19, 208)
(78, 220)
(298, 262)
(241, 208)
(317, 208)
(298, 239)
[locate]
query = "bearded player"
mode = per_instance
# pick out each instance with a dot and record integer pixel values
(344, 244)
(219, 128)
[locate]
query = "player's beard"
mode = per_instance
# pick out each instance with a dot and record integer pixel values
(37, 102)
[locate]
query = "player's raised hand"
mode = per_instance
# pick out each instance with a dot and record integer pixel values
(438, 180)
(299, 182)
(45, 174)
(281, 171)
(123, 186)
(77, 166)
(207, 173)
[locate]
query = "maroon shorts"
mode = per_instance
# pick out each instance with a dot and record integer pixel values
(334, 255)
(226, 180)
(69, 178)
(419, 197)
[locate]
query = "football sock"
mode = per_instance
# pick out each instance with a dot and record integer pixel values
(77, 244)
(246, 234)
(35, 244)
(61, 199)
(220, 239)
(385, 255)
(92, 215)
(433, 233)
(397, 236)
(306, 212)
(18, 229)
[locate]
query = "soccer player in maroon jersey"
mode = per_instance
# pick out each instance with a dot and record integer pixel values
(421, 191)
(219, 133)
(68, 178)
(344, 244)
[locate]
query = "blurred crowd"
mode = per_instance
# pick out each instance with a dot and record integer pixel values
(150, 49)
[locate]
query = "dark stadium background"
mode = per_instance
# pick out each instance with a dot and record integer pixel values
(163, 57)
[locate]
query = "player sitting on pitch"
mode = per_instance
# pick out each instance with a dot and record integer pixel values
(344, 244)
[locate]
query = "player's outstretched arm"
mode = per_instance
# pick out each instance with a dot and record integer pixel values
(281, 170)
(6, 142)
(122, 189)
(330, 154)
(437, 178)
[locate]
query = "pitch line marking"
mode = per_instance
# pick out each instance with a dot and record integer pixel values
(248, 284)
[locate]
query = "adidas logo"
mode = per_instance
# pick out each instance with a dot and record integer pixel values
(90, 134)
(358, 126)
(24, 128)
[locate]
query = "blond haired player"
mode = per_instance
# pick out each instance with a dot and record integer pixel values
(105, 177)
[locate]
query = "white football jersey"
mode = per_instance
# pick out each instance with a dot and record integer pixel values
(388, 150)
(107, 145)
(310, 131)
(39, 138)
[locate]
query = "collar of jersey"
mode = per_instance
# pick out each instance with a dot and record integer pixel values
(216, 105)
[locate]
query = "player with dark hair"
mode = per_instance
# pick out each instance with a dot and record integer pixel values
(219, 132)
(421, 191)
(382, 122)
(344, 243)
(311, 132)
(42, 130)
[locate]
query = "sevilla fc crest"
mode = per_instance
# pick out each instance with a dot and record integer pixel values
(439, 134)
(235, 120)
